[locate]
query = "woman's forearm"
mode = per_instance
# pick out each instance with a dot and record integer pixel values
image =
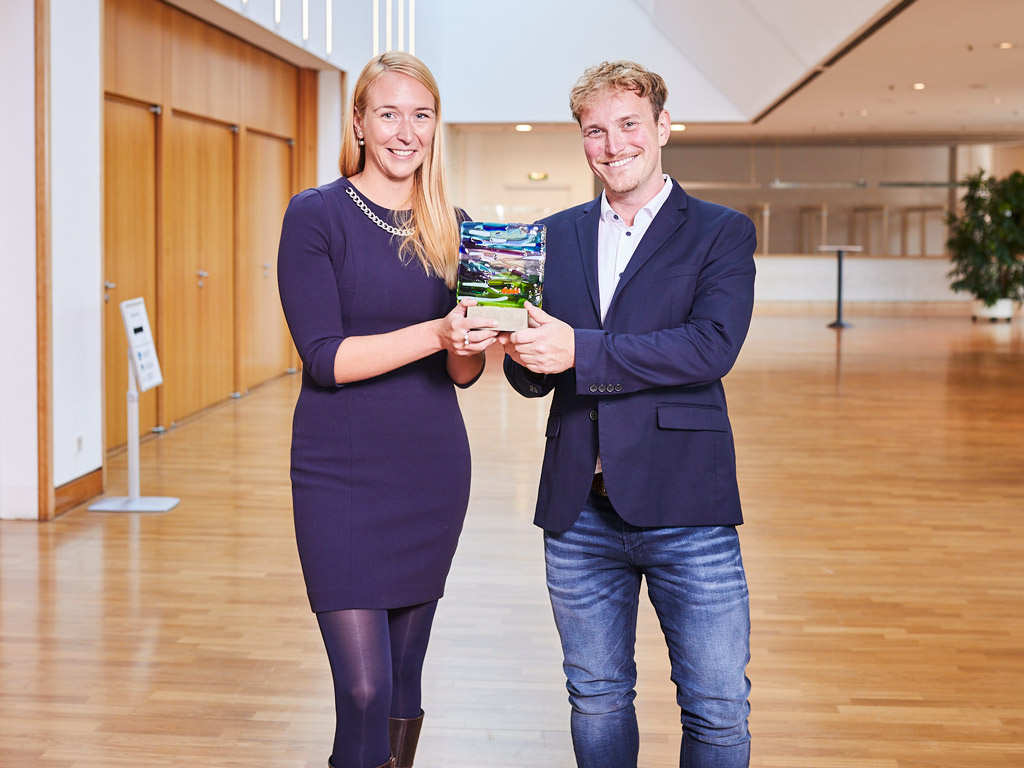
(463, 370)
(363, 357)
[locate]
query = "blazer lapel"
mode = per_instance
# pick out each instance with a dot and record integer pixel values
(668, 221)
(586, 231)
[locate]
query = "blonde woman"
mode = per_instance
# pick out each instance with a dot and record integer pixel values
(380, 461)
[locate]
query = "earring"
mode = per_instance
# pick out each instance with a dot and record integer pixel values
(361, 142)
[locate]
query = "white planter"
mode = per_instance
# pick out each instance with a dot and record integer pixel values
(1001, 310)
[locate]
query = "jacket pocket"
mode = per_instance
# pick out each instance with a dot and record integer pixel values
(554, 423)
(693, 417)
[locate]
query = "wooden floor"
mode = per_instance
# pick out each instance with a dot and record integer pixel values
(881, 472)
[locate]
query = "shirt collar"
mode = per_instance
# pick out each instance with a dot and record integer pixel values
(649, 211)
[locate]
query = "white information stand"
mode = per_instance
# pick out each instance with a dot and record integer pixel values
(143, 374)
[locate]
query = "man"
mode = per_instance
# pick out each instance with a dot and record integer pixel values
(648, 294)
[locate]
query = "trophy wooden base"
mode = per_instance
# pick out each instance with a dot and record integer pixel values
(509, 318)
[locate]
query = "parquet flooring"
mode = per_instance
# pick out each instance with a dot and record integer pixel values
(881, 474)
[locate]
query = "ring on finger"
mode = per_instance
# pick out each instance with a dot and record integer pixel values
(465, 339)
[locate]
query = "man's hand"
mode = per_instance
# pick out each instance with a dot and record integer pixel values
(547, 346)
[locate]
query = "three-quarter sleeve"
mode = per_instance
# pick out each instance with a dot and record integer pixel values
(308, 285)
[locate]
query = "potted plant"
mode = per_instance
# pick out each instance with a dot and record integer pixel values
(986, 243)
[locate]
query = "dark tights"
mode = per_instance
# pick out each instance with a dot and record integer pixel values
(376, 660)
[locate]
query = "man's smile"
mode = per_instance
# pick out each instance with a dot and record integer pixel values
(621, 161)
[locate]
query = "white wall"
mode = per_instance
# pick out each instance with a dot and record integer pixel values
(328, 125)
(19, 497)
(814, 278)
(528, 80)
(76, 94)
(489, 169)
(351, 30)
(483, 82)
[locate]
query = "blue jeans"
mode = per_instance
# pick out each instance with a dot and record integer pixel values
(696, 583)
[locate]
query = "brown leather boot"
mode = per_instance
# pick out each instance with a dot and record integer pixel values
(405, 734)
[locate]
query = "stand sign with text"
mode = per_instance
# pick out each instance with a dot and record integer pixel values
(143, 374)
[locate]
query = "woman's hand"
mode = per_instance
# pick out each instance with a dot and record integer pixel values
(463, 336)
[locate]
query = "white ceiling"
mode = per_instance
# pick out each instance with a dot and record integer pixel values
(974, 90)
(753, 50)
(737, 70)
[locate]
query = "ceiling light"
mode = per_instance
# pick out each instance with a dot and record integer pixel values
(524, 127)
(1005, 46)
(537, 175)
(678, 127)
(919, 86)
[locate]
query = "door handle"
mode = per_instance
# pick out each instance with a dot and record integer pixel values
(203, 273)
(107, 285)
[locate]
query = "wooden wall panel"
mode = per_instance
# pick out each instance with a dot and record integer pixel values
(206, 69)
(307, 128)
(197, 309)
(270, 89)
(266, 185)
(206, 80)
(111, 12)
(44, 264)
(129, 258)
(136, 47)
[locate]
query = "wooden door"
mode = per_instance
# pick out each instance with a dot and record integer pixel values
(129, 251)
(266, 185)
(197, 277)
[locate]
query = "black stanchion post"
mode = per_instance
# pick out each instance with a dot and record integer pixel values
(839, 250)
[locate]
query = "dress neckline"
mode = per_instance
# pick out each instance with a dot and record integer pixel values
(369, 201)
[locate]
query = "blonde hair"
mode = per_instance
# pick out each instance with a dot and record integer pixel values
(435, 239)
(619, 76)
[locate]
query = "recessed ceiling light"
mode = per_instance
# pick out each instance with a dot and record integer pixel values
(524, 127)
(678, 127)
(537, 175)
(863, 113)
(1005, 46)
(919, 86)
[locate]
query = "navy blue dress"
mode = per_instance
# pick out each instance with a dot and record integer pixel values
(380, 467)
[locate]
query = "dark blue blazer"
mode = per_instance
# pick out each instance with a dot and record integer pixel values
(647, 385)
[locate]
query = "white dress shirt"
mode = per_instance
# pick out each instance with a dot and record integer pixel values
(616, 243)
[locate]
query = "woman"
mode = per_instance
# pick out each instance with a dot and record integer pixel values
(380, 458)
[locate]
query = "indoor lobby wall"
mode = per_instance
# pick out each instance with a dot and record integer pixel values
(889, 200)
(490, 168)
(19, 486)
(77, 249)
(233, 136)
(1007, 159)
(52, 400)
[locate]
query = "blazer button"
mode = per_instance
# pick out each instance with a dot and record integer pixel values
(618, 387)
(593, 415)
(593, 387)
(601, 388)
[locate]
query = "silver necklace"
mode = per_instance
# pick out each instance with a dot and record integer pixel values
(377, 219)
